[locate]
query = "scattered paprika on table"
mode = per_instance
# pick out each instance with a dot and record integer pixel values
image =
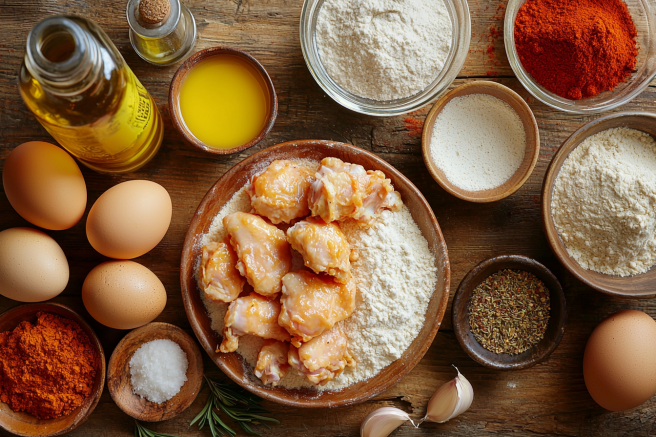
(47, 369)
(576, 48)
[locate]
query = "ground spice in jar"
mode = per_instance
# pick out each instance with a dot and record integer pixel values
(509, 312)
(47, 369)
(576, 48)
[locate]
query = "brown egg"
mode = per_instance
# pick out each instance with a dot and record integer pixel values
(123, 294)
(619, 364)
(44, 185)
(129, 219)
(33, 267)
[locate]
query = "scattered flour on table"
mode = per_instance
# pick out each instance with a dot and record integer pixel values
(395, 276)
(478, 142)
(384, 49)
(604, 202)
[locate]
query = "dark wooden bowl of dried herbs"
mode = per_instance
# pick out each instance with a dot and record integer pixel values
(509, 313)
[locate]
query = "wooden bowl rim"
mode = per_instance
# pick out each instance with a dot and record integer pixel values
(482, 196)
(461, 302)
(556, 244)
(272, 394)
(112, 371)
(100, 373)
(174, 99)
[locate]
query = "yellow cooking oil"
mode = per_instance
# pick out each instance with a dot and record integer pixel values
(224, 101)
(125, 135)
(83, 93)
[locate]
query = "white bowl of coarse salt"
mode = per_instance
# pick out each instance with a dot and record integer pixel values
(480, 142)
(385, 57)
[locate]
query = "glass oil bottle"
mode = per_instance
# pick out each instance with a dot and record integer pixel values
(81, 90)
(162, 32)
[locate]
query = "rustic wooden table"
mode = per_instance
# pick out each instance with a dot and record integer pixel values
(548, 399)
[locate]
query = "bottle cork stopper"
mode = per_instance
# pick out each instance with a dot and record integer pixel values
(154, 11)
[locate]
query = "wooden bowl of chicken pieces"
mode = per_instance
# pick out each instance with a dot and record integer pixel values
(281, 287)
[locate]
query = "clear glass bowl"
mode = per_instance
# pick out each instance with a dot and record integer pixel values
(460, 19)
(643, 13)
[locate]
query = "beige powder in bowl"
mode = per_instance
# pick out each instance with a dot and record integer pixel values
(384, 49)
(478, 142)
(604, 202)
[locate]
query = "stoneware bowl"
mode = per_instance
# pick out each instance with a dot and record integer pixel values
(232, 364)
(532, 141)
(23, 424)
(641, 286)
(532, 356)
(118, 373)
(174, 99)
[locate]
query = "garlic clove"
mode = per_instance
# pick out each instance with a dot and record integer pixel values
(383, 421)
(450, 400)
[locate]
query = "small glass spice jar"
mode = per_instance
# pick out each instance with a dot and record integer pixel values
(162, 32)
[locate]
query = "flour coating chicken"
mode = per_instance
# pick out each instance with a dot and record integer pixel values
(219, 277)
(323, 246)
(280, 193)
(380, 195)
(343, 190)
(272, 362)
(312, 304)
(323, 358)
(263, 251)
(255, 315)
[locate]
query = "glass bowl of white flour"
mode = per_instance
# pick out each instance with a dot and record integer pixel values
(385, 57)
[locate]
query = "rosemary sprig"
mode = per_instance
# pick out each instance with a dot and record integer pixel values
(237, 404)
(140, 431)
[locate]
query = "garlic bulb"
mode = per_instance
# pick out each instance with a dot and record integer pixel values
(383, 421)
(450, 400)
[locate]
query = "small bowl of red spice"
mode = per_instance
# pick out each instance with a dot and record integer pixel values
(582, 56)
(52, 370)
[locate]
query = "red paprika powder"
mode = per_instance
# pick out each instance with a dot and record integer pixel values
(576, 48)
(48, 368)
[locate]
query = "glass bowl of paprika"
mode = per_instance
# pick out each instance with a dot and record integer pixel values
(558, 53)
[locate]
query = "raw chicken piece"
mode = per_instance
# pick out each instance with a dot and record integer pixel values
(255, 315)
(322, 358)
(280, 193)
(264, 254)
(272, 362)
(219, 278)
(380, 195)
(312, 304)
(338, 191)
(324, 247)
(344, 190)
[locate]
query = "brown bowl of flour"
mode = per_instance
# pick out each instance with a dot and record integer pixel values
(414, 222)
(480, 142)
(607, 256)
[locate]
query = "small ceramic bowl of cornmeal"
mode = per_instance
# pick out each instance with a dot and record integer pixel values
(222, 101)
(480, 142)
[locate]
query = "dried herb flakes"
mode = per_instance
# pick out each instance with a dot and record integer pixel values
(509, 312)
